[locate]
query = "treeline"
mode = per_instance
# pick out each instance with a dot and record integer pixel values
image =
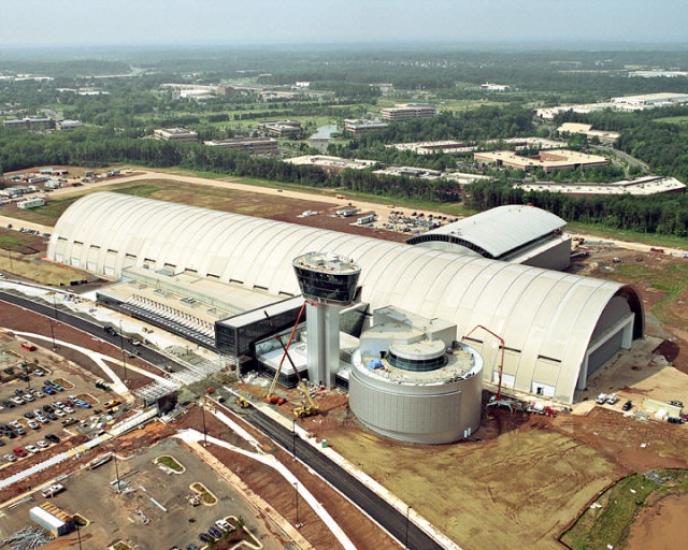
(664, 214)
(96, 147)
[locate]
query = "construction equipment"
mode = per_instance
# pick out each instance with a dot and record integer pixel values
(243, 402)
(308, 407)
(269, 396)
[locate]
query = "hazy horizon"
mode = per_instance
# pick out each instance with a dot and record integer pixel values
(35, 24)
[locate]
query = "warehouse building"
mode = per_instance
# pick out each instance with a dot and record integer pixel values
(548, 161)
(511, 233)
(331, 164)
(558, 328)
(643, 186)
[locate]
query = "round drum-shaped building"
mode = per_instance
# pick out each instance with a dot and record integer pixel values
(419, 406)
(412, 381)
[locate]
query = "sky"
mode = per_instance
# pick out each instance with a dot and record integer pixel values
(252, 22)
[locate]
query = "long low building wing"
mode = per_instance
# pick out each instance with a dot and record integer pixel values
(557, 327)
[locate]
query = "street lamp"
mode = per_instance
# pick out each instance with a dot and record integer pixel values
(298, 524)
(205, 431)
(121, 345)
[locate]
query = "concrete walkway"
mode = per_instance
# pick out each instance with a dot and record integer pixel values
(273, 462)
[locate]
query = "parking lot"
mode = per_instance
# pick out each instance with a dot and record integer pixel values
(44, 399)
(152, 510)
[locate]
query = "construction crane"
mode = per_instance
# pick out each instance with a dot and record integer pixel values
(292, 334)
(501, 354)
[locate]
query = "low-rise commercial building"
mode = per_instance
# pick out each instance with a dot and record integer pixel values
(29, 123)
(622, 103)
(406, 111)
(175, 134)
(69, 124)
(647, 185)
(255, 146)
(548, 161)
(331, 164)
(360, 126)
(443, 147)
(282, 129)
(533, 142)
(587, 130)
(495, 87)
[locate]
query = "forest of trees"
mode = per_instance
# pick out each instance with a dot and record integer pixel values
(91, 147)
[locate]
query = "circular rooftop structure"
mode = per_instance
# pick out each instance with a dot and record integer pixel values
(327, 278)
(440, 404)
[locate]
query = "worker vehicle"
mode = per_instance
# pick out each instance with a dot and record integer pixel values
(308, 407)
(53, 490)
(243, 402)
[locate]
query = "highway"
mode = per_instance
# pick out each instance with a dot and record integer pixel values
(395, 522)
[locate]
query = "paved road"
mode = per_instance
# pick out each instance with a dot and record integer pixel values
(377, 508)
(95, 329)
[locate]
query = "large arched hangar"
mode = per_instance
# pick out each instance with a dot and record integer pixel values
(558, 328)
(514, 233)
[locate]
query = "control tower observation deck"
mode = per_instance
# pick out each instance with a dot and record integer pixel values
(328, 282)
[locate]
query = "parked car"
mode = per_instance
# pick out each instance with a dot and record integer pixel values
(48, 408)
(51, 416)
(215, 533)
(223, 525)
(52, 438)
(32, 449)
(59, 413)
(9, 457)
(42, 444)
(20, 452)
(29, 415)
(627, 406)
(53, 490)
(205, 537)
(34, 425)
(17, 400)
(612, 399)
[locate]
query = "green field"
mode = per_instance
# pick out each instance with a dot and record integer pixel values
(682, 120)
(610, 524)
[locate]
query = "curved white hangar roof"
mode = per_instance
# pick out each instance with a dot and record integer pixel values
(557, 327)
(497, 232)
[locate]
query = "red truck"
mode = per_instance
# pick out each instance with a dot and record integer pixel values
(28, 346)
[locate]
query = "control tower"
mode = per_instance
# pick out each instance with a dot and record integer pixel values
(328, 283)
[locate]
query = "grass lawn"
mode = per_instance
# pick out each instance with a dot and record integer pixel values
(610, 524)
(170, 462)
(671, 280)
(46, 215)
(23, 243)
(673, 120)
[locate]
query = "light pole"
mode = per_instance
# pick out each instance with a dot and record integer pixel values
(296, 499)
(293, 440)
(205, 431)
(78, 534)
(121, 346)
(52, 334)
(114, 455)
